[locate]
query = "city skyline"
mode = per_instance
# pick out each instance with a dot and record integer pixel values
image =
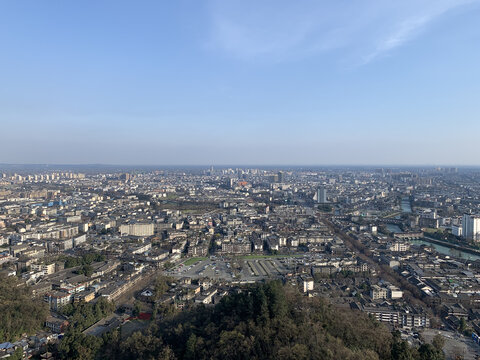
(239, 82)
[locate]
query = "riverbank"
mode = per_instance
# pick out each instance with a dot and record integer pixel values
(451, 245)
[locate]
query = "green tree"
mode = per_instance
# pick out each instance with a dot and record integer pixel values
(137, 309)
(77, 346)
(268, 321)
(160, 286)
(429, 352)
(190, 347)
(17, 355)
(438, 342)
(20, 312)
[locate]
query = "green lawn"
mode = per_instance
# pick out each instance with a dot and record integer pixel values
(193, 260)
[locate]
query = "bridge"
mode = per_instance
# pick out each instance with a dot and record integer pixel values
(409, 235)
(390, 221)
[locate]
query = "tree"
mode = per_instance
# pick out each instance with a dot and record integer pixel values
(438, 342)
(401, 350)
(168, 265)
(76, 346)
(268, 321)
(17, 355)
(160, 286)
(190, 347)
(429, 352)
(136, 309)
(20, 312)
(86, 269)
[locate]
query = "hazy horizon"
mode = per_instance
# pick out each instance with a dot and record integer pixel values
(240, 82)
(240, 165)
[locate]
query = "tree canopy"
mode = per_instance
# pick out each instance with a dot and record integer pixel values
(19, 312)
(268, 321)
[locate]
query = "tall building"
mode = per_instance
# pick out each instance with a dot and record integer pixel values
(471, 227)
(126, 177)
(281, 177)
(321, 195)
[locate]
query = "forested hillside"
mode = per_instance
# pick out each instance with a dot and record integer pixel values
(19, 312)
(267, 321)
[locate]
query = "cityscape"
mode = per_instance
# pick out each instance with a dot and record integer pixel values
(399, 244)
(239, 180)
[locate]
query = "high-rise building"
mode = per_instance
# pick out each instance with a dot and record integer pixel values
(471, 227)
(321, 195)
(281, 177)
(126, 177)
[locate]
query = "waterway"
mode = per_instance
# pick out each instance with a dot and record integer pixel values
(447, 251)
(440, 248)
(393, 228)
(406, 207)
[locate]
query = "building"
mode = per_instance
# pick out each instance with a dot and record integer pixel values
(65, 244)
(237, 247)
(321, 195)
(137, 229)
(404, 319)
(198, 250)
(56, 325)
(456, 230)
(140, 249)
(471, 227)
(378, 292)
(400, 247)
(429, 222)
(57, 299)
(394, 292)
(79, 240)
(125, 177)
(307, 283)
(47, 269)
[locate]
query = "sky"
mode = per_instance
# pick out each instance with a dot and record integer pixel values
(257, 82)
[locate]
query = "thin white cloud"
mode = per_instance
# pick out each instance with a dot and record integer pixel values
(408, 28)
(406, 31)
(285, 30)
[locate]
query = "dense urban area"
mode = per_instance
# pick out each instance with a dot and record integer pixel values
(202, 263)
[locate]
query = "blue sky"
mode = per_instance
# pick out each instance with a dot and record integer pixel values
(240, 82)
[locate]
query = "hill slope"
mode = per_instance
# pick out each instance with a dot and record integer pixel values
(267, 321)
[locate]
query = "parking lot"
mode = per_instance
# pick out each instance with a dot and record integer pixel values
(455, 344)
(232, 269)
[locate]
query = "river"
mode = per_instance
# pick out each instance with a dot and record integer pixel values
(393, 228)
(440, 248)
(406, 207)
(447, 251)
